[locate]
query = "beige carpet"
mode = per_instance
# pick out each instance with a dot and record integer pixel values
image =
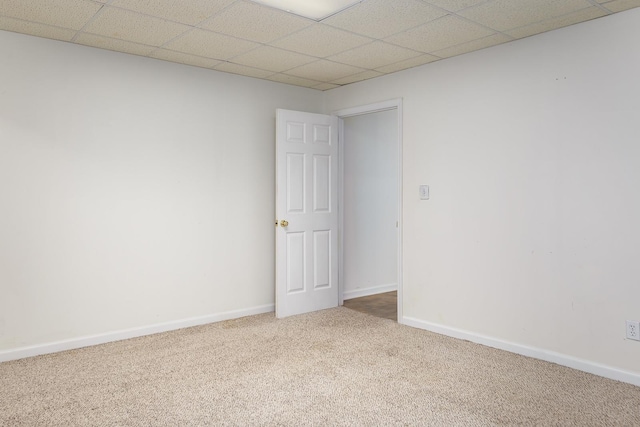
(335, 367)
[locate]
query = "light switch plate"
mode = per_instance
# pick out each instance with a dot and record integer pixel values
(424, 192)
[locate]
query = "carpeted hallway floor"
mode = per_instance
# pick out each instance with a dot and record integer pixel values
(334, 367)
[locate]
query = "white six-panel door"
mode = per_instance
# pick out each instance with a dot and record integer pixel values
(306, 210)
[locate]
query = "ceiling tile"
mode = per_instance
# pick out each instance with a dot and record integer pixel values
(35, 29)
(321, 41)
(409, 63)
(372, 38)
(504, 15)
(365, 75)
(184, 58)
(454, 5)
(374, 55)
(440, 34)
(273, 59)
(229, 67)
(382, 18)
(293, 80)
(620, 5)
(113, 44)
(71, 14)
(189, 12)
(131, 26)
(324, 71)
(251, 21)
(476, 44)
(210, 45)
(552, 24)
(325, 86)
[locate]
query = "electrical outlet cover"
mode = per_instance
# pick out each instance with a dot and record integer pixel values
(633, 330)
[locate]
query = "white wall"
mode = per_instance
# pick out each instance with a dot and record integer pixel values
(132, 191)
(532, 152)
(370, 208)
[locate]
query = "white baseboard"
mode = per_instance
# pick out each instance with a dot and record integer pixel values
(370, 291)
(536, 353)
(70, 344)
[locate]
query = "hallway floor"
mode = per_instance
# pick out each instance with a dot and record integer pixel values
(381, 305)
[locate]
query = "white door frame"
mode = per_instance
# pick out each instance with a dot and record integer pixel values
(393, 104)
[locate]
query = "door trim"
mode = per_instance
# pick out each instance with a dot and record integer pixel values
(392, 104)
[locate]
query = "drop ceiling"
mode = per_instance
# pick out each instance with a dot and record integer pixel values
(367, 40)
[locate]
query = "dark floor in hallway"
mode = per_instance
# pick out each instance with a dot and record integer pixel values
(381, 305)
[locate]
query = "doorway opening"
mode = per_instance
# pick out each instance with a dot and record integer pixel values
(314, 213)
(370, 214)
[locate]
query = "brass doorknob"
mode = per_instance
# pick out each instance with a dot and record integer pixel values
(284, 223)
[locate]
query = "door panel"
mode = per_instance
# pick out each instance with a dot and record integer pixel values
(295, 262)
(321, 183)
(295, 183)
(322, 259)
(306, 198)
